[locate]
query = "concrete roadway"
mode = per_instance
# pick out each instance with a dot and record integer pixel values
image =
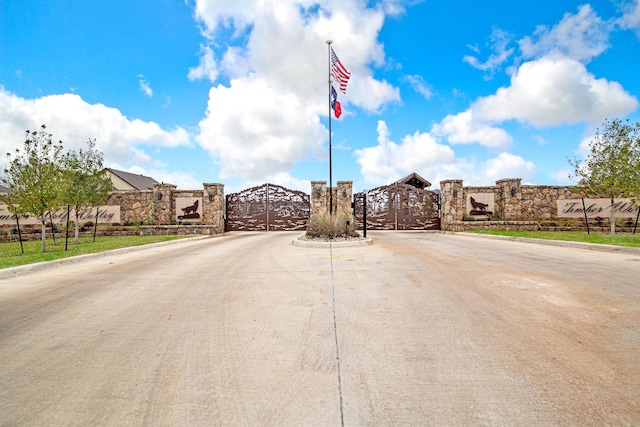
(246, 329)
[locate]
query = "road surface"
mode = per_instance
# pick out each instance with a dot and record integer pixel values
(246, 329)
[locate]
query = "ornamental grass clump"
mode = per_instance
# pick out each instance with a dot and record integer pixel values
(325, 226)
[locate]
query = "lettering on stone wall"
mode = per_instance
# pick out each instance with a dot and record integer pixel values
(573, 208)
(480, 204)
(188, 208)
(106, 214)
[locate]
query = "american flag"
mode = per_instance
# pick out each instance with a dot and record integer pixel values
(339, 72)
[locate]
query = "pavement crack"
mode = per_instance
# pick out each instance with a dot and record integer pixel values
(335, 335)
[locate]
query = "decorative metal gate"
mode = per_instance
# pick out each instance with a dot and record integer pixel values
(267, 207)
(399, 207)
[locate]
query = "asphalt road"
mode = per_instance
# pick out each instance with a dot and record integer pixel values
(246, 329)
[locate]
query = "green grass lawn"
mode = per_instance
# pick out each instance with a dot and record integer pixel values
(618, 239)
(10, 255)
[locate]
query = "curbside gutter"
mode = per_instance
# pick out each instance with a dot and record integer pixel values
(561, 243)
(24, 269)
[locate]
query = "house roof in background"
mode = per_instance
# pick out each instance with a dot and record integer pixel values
(139, 182)
(3, 189)
(415, 180)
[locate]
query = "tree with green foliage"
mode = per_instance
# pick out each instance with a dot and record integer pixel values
(85, 185)
(613, 166)
(34, 178)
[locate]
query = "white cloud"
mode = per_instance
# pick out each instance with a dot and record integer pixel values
(144, 86)
(207, 67)
(419, 85)
(550, 91)
(584, 148)
(582, 37)
(468, 128)
(256, 130)
(562, 176)
(269, 116)
(70, 119)
(389, 161)
(507, 165)
(499, 41)
(630, 20)
(226, 13)
(554, 90)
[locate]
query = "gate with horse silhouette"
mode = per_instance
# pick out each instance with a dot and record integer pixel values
(399, 206)
(267, 207)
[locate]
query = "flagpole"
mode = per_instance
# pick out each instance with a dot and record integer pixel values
(330, 166)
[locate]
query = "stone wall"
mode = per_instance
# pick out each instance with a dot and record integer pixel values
(136, 207)
(157, 207)
(342, 197)
(514, 205)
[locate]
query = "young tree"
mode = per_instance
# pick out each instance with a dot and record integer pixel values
(85, 185)
(613, 166)
(33, 178)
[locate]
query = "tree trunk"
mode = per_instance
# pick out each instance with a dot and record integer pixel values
(76, 239)
(44, 236)
(613, 219)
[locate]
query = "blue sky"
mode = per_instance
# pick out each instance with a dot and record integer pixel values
(235, 91)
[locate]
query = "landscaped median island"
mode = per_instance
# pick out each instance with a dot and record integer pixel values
(324, 229)
(619, 239)
(11, 255)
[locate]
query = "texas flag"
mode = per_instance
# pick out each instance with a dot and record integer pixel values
(335, 104)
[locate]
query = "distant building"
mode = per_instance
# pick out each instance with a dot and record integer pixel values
(3, 189)
(415, 180)
(126, 181)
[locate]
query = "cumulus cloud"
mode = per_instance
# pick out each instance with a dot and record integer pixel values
(555, 90)
(257, 130)
(70, 119)
(549, 91)
(507, 165)
(267, 117)
(468, 128)
(389, 161)
(421, 153)
(582, 37)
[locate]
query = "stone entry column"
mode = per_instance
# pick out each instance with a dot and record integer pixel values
(162, 205)
(452, 202)
(319, 197)
(510, 199)
(342, 197)
(213, 206)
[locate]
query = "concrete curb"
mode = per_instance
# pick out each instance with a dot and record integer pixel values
(24, 269)
(561, 243)
(347, 244)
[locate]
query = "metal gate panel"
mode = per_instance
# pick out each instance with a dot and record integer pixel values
(418, 209)
(289, 210)
(399, 207)
(247, 210)
(381, 209)
(267, 207)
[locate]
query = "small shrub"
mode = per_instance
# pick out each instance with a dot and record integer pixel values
(323, 225)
